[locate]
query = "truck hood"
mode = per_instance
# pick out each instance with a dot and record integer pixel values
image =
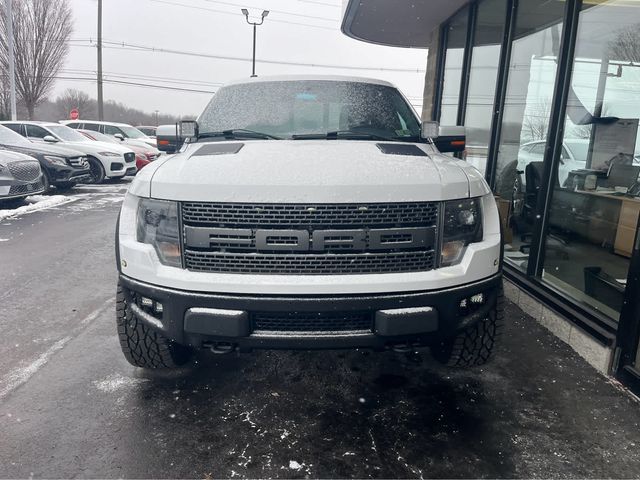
(321, 171)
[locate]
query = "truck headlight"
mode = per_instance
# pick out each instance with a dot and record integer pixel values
(157, 225)
(462, 226)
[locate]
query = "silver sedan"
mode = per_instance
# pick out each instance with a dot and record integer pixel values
(20, 175)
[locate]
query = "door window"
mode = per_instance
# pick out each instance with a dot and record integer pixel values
(111, 130)
(34, 131)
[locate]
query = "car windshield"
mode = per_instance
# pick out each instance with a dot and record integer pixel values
(132, 132)
(290, 108)
(580, 150)
(67, 134)
(9, 137)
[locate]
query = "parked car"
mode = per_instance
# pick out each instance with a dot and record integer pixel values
(61, 167)
(106, 160)
(119, 130)
(144, 154)
(309, 213)
(149, 131)
(574, 156)
(20, 175)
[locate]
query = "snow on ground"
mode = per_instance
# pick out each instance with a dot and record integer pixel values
(35, 203)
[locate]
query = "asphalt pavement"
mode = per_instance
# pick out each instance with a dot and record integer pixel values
(70, 405)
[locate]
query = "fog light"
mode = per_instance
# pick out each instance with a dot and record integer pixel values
(146, 302)
(158, 307)
(463, 303)
(477, 299)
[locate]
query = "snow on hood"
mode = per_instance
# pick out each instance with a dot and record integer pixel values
(326, 171)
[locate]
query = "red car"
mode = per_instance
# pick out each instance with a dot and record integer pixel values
(144, 155)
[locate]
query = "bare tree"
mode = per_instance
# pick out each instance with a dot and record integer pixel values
(41, 29)
(625, 46)
(72, 98)
(535, 123)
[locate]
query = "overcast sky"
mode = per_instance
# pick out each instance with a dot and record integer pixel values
(309, 33)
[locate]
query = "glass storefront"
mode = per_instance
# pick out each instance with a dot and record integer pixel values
(593, 219)
(568, 189)
(454, 55)
(482, 79)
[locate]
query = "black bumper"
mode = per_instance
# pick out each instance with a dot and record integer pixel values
(65, 174)
(420, 317)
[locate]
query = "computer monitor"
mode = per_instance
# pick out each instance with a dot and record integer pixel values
(623, 175)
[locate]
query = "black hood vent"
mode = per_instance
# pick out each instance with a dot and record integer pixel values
(401, 149)
(218, 149)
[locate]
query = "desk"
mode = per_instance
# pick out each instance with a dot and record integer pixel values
(603, 218)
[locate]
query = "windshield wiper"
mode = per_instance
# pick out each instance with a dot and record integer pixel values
(235, 133)
(345, 134)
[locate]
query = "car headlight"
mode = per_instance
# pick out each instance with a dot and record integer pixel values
(109, 154)
(55, 160)
(157, 225)
(462, 225)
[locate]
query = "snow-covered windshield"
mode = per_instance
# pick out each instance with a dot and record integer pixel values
(67, 134)
(132, 132)
(9, 137)
(304, 107)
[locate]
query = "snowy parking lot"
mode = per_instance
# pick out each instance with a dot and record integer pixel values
(70, 406)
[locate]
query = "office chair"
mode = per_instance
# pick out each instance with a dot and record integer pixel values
(533, 174)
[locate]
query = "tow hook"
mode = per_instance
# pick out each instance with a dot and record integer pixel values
(222, 348)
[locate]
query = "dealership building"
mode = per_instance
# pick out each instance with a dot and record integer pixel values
(549, 94)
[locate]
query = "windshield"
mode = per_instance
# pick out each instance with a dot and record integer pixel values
(580, 150)
(305, 107)
(67, 134)
(9, 137)
(132, 132)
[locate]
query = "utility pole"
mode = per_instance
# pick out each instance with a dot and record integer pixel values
(12, 63)
(100, 98)
(255, 25)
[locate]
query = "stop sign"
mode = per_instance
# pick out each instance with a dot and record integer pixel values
(74, 114)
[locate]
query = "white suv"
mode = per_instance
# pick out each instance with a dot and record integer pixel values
(106, 160)
(308, 213)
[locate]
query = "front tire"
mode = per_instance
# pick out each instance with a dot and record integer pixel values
(142, 346)
(97, 170)
(473, 346)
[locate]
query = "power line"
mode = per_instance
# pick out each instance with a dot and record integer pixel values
(147, 48)
(166, 2)
(135, 84)
(302, 15)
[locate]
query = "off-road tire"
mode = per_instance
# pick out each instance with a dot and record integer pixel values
(97, 170)
(143, 346)
(474, 345)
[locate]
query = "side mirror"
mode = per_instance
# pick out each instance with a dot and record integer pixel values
(430, 130)
(119, 136)
(189, 130)
(167, 138)
(451, 140)
(50, 139)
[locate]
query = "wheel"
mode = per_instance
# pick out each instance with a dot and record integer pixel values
(474, 345)
(97, 170)
(65, 186)
(142, 346)
(46, 183)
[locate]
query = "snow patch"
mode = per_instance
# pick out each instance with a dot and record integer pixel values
(293, 465)
(35, 203)
(116, 382)
(20, 375)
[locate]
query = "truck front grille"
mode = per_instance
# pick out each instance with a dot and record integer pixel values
(327, 215)
(312, 322)
(325, 239)
(310, 264)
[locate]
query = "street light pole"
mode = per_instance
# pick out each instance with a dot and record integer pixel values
(255, 25)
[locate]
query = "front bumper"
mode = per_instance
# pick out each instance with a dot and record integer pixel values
(66, 174)
(203, 319)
